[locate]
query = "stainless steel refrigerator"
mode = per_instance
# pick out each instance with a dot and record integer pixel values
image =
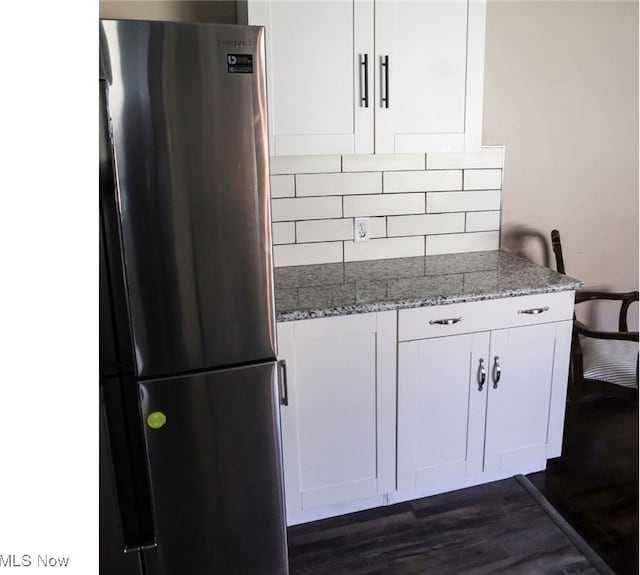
(191, 475)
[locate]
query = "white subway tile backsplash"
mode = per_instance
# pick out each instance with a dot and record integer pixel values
(283, 233)
(383, 162)
(305, 254)
(286, 209)
(304, 164)
(463, 201)
(462, 243)
(417, 204)
(282, 186)
(382, 205)
(485, 158)
(383, 248)
(324, 230)
(338, 184)
(482, 221)
(438, 180)
(482, 179)
(332, 230)
(425, 224)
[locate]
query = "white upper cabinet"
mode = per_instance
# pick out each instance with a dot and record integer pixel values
(316, 75)
(421, 61)
(373, 76)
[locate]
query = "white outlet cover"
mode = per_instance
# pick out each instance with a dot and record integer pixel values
(361, 230)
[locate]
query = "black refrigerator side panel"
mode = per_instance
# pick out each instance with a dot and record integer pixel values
(108, 353)
(214, 454)
(116, 349)
(123, 468)
(112, 558)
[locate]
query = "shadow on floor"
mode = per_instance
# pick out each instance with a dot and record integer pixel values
(594, 485)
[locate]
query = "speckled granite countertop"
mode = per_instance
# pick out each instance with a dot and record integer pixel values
(304, 292)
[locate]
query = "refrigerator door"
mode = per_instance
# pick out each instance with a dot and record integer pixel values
(216, 476)
(188, 115)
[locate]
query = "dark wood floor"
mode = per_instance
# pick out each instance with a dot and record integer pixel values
(498, 527)
(490, 529)
(594, 485)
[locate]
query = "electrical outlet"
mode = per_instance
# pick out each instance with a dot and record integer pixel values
(361, 230)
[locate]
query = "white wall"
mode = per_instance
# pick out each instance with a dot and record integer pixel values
(561, 93)
(224, 11)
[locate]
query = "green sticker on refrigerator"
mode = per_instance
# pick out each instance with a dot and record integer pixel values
(156, 419)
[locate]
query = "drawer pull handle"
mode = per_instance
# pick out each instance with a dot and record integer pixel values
(449, 321)
(534, 310)
(482, 375)
(497, 373)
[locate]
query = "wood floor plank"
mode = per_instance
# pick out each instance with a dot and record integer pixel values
(497, 528)
(594, 484)
(493, 528)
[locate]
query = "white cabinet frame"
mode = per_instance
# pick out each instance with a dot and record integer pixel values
(334, 119)
(315, 78)
(380, 407)
(375, 414)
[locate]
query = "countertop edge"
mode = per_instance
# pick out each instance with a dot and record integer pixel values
(297, 315)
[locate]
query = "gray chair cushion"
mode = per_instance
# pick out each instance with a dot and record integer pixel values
(610, 360)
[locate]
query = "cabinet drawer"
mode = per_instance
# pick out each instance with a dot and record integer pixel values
(457, 318)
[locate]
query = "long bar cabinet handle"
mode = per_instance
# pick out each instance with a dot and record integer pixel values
(284, 393)
(448, 321)
(497, 372)
(364, 66)
(384, 63)
(482, 375)
(534, 310)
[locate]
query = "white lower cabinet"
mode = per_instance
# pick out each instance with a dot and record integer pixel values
(518, 402)
(441, 410)
(391, 406)
(338, 429)
(476, 407)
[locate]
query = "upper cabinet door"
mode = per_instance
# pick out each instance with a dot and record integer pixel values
(316, 53)
(365, 76)
(427, 92)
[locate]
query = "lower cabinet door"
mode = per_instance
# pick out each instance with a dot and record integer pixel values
(451, 427)
(338, 428)
(441, 408)
(521, 365)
